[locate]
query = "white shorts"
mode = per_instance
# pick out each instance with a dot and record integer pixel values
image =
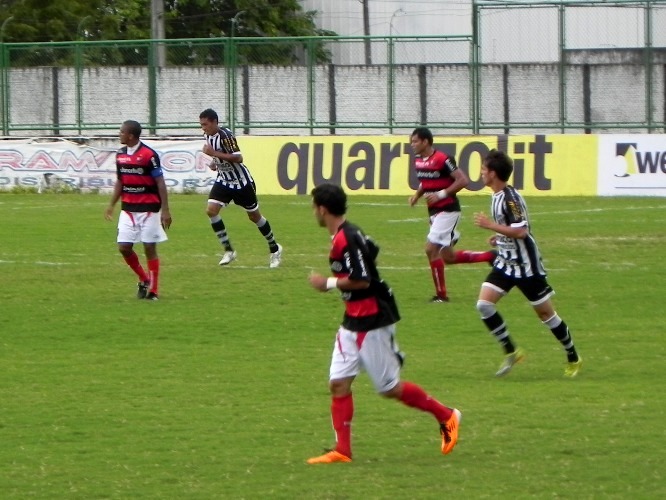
(443, 230)
(140, 227)
(375, 352)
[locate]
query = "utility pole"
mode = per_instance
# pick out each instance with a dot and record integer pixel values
(366, 32)
(157, 30)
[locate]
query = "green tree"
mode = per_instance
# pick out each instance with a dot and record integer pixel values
(216, 18)
(72, 20)
(87, 20)
(68, 20)
(244, 19)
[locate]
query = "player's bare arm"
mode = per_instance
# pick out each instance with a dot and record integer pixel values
(108, 213)
(415, 197)
(165, 213)
(461, 181)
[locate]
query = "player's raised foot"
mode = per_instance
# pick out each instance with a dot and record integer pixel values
(152, 296)
(573, 367)
(329, 457)
(228, 257)
(275, 258)
(449, 432)
(438, 299)
(142, 289)
(509, 361)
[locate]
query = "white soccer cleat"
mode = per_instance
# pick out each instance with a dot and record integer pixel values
(276, 258)
(228, 257)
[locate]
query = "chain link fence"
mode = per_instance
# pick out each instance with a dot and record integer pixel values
(527, 66)
(591, 66)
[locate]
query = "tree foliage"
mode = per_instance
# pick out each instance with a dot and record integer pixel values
(90, 20)
(70, 20)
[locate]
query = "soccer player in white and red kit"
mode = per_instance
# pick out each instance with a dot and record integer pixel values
(144, 206)
(366, 339)
(439, 181)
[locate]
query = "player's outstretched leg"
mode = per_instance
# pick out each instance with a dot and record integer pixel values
(414, 396)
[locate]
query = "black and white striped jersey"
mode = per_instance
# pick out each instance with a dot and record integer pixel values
(233, 175)
(518, 258)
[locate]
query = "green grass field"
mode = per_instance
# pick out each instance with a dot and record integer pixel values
(220, 389)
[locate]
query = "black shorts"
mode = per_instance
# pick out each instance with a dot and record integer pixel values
(535, 288)
(245, 197)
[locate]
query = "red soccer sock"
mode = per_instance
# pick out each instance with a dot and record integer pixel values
(154, 268)
(437, 270)
(414, 396)
(133, 261)
(471, 257)
(342, 411)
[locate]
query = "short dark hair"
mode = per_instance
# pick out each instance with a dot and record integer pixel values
(209, 114)
(423, 133)
(500, 163)
(132, 127)
(330, 196)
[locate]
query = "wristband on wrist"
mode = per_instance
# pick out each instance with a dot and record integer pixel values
(331, 283)
(442, 194)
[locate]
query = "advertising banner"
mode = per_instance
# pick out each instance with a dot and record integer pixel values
(42, 164)
(543, 165)
(632, 165)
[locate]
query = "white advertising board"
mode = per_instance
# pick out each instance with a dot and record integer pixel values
(39, 164)
(632, 165)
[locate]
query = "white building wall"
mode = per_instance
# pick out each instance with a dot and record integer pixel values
(397, 17)
(508, 35)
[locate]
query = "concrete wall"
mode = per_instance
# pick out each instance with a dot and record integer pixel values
(279, 97)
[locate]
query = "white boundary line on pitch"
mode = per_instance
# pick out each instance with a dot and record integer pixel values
(459, 267)
(55, 205)
(19, 206)
(36, 263)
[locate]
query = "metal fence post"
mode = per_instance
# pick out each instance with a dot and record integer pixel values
(153, 53)
(391, 83)
(332, 101)
(229, 47)
(310, 60)
(476, 79)
(4, 90)
(648, 65)
(4, 77)
(79, 86)
(562, 66)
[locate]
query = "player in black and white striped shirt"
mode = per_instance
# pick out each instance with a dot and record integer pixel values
(234, 183)
(518, 264)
